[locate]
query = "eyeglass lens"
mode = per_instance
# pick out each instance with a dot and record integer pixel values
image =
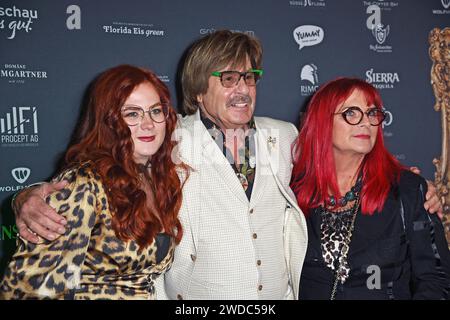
(231, 78)
(354, 116)
(134, 115)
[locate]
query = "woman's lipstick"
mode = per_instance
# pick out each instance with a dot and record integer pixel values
(362, 136)
(147, 138)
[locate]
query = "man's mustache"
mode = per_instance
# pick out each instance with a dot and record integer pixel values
(241, 98)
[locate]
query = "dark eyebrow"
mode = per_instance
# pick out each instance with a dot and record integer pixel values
(129, 106)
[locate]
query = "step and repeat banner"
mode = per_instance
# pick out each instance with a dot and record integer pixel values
(50, 51)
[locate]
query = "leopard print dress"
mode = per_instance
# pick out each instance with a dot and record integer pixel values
(88, 261)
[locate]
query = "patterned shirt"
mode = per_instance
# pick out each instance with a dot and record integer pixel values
(246, 168)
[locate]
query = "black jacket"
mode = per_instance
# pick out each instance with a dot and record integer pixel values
(404, 241)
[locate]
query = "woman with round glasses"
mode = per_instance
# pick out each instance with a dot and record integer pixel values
(369, 236)
(121, 202)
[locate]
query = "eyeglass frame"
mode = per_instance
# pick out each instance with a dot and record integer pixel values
(362, 115)
(153, 106)
(257, 72)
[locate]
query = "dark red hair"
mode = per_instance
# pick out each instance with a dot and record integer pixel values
(105, 139)
(314, 172)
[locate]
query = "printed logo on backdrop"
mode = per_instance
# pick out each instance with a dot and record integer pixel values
(210, 30)
(133, 29)
(8, 232)
(16, 73)
(164, 78)
(15, 20)
(308, 35)
(19, 127)
(383, 5)
(387, 123)
(379, 31)
(20, 175)
(382, 80)
(309, 79)
(307, 3)
(446, 8)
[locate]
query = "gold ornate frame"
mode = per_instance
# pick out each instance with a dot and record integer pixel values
(440, 80)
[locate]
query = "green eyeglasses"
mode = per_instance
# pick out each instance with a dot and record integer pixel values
(231, 78)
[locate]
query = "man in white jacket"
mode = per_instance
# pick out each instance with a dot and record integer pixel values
(244, 235)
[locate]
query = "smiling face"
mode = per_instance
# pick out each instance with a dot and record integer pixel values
(229, 108)
(147, 135)
(350, 140)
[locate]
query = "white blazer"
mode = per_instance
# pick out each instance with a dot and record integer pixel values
(224, 233)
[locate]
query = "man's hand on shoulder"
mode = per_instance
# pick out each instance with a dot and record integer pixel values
(34, 218)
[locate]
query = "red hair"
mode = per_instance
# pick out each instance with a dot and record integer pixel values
(105, 139)
(314, 172)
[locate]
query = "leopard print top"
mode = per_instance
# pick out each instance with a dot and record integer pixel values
(88, 261)
(334, 228)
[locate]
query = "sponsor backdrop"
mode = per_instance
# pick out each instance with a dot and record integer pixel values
(51, 50)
